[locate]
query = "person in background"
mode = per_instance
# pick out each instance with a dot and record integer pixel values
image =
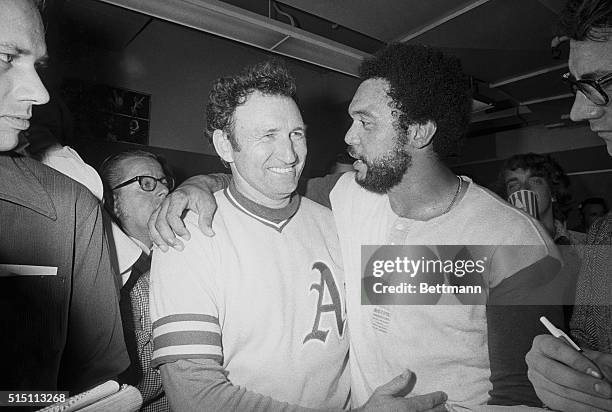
(542, 175)
(135, 183)
(592, 209)
(51, 126)
(61, 330)
(563, 378)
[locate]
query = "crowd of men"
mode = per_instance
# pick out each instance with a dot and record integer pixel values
(258, 303)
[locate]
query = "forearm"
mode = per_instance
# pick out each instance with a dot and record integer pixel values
(511, 330)
(201, 385)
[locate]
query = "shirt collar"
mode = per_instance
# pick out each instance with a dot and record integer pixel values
(275, 218)
(19, 185)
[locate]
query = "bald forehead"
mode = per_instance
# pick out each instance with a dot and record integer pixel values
(138, 166)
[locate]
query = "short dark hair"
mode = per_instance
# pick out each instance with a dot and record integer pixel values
(270, 78)
(425, 85)
(548, 168)
(584, 20)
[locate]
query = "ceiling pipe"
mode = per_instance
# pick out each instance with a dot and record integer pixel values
(527, 75)
(235, 23)
(438, 22)
(547, 99)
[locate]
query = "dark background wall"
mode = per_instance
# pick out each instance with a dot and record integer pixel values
(176, 66)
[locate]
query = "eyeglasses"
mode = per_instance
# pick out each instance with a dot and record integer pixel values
(592, 89)
(148, 183)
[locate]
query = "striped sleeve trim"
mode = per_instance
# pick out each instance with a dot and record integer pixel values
(198, 317)
(186, 336)
(182, 326)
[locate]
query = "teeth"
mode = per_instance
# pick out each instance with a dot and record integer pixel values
(281, 169)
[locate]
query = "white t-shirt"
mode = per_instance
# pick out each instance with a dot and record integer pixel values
(446, 346)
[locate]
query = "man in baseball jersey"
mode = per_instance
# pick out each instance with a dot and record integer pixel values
(410, 110)
(254, 318)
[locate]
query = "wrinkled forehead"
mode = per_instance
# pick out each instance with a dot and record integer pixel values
(590, 59)
(21, 26)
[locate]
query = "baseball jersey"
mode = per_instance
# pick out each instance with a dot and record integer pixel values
(446, 344)
(264, 297)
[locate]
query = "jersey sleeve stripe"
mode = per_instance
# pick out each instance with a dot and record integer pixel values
(185, 326)
(180, 317)
(160, 360)
(187, 338)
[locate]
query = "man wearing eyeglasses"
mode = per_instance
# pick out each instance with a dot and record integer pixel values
(135, 183)
(564, 378)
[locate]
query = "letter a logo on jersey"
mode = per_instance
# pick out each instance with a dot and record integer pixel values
(327, 282)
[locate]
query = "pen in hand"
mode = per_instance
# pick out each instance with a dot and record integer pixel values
(558, 333)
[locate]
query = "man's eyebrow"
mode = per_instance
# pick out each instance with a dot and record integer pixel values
(14, 49)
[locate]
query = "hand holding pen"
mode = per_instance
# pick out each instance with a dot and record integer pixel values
(568, 378)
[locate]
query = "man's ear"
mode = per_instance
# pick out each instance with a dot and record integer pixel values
(223, 146)
(421, 135)
(112, 205)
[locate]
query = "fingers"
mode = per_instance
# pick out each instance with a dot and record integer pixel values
(603, 362)
(154, 234)
(205, 218)
(548, 347)
(398, 386)
(431, 401)
(177, 207)
(563, 374)
(566, 399)
(160, 231)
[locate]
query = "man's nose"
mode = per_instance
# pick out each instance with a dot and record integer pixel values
(584, 109)
(30, 87)
(161, 190)
(286, 152)
(351, 138)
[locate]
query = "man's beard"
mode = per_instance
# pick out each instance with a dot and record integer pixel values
(385, 172)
